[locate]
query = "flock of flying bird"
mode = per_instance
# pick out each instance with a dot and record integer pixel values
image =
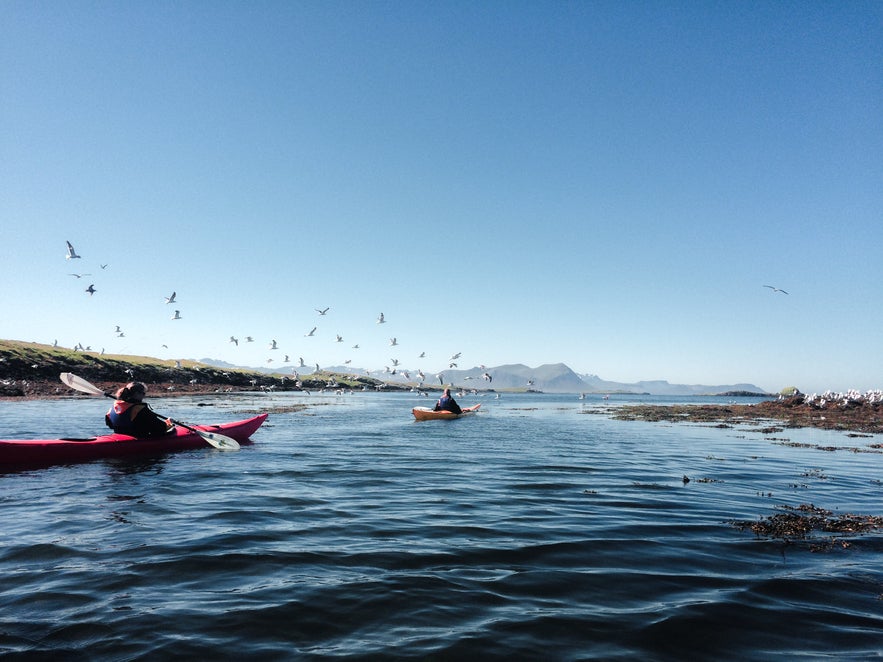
(393, 369)
(381, 319)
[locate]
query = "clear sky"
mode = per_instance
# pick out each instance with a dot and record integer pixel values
(604, 184)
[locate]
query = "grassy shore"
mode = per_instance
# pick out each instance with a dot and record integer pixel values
(31, 370)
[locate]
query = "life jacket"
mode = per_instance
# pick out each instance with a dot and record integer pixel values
(121, 416)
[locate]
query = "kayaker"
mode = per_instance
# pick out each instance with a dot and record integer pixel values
(130, 415)
(447, 403)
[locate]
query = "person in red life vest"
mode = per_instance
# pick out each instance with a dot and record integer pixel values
(447, 403)
(130, 415)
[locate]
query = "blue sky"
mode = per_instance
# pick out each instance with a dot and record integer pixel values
(604, 184)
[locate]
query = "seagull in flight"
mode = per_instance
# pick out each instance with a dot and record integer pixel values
(71, 253)
(249, 339)
(393, 342)
(455, 356)
(380, 320)
(91, 289)
(776, 289)
(171, 299)
(356, 346)
(487, 377)
(80, 275)
(422, 355)
(339, 338)
(177, 315)
(312, 331)
(273, 345)
(235, 341)
(322, 312)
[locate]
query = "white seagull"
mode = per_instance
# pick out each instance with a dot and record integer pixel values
(80, 275)
(339, 338)
(393, 342)
(171, 299)
(380, 320)
(312, 331)
(422, 355)
(776, 289)
(177, 315)
(273, 345)
(71, 253)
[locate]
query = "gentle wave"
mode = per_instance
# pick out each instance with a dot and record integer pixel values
(348, 531)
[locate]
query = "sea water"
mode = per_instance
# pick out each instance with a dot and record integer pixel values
(539, 528)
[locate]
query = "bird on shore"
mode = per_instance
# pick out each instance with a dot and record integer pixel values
(177, 315)
(71, 253)
(776, 289)
(91, 289)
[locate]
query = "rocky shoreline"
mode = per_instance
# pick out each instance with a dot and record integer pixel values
(799, 411)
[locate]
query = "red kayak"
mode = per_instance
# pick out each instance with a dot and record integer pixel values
(429, 414)
(43, 452)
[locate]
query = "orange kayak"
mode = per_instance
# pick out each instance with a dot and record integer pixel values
(428, 414)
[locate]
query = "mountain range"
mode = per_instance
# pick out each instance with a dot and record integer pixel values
(550, 378)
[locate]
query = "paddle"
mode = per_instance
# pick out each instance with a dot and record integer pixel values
(219, 441)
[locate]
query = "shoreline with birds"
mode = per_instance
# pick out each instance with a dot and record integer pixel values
(30, 371)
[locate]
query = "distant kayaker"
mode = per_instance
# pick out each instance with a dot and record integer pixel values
(130, 415)
(447, 403)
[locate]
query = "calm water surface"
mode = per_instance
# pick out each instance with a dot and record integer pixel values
(534, 530)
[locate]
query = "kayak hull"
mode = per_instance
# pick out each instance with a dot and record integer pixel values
(428, 414)
(44, 452)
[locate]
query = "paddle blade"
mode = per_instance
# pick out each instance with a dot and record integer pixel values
(219, 441)
(80, 384)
